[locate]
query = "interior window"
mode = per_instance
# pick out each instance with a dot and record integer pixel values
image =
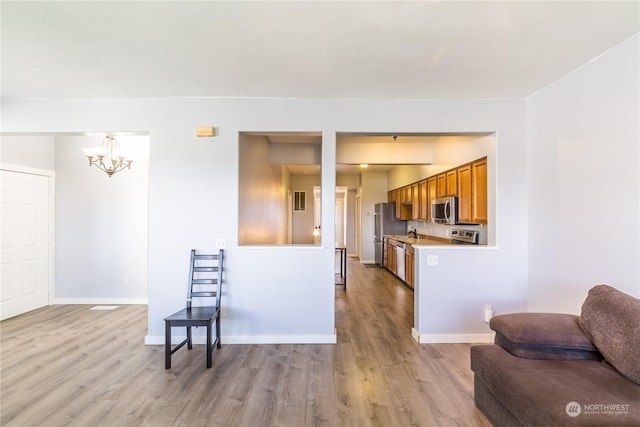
(278, 173)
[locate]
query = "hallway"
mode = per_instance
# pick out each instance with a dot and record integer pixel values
(77, 367)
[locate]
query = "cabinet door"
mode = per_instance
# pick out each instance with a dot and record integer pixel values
(464, 194)
(479, 191)
(392, 259)
(410, 267)
(391, 196)
(398, 198)
(452, 182)
(415, 201)
(432, 192)
(441, 185)
(423, 187)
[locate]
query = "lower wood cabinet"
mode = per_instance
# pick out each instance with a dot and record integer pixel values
(410, 266)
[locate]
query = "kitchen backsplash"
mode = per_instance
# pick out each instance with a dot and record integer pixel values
(444, 231)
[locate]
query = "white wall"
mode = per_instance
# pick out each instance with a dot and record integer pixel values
(303, 222)
(262, 192)
(36, 152)
(193, 199)
(101, 225)
(584, 183)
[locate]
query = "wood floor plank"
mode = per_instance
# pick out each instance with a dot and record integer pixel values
(67, 365)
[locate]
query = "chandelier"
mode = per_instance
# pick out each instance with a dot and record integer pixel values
(109, 158)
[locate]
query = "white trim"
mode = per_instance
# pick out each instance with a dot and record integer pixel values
(248, 339)
(452, 338)
(100, 301)
(26, 169)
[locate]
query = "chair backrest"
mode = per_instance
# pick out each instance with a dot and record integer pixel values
(205, 276)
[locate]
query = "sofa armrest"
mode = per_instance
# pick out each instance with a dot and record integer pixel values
(547, 336)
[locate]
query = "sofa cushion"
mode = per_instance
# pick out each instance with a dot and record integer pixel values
(611, 319)
(549, 336)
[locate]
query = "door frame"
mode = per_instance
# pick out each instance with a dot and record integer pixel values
(51, 175)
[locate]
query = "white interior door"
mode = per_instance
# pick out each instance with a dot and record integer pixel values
(24, 269)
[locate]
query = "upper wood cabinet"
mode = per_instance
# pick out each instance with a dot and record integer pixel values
(415, 200)
(479, 191)
(441, 187)
(452, 182)
(472, 192)
(464, 194)
(432, 191)
(424, 211)
(468, 182)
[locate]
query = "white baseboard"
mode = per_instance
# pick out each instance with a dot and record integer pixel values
(367, 261)
(100, 301)
(452, 338)
(247, 339)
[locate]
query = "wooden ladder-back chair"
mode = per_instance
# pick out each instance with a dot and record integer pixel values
(205, 282)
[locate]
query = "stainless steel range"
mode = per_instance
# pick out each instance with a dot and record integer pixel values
(464, 237)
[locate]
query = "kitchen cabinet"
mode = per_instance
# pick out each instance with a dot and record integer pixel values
(472, 192)
(433, 193)
(410, 266)
(404, 203)
(398, 200)
(415, 200)
(452, 182)
(390, 255)
(441, 185)
(479, 191)
(468, 182)
(464, 194)
(425, 209)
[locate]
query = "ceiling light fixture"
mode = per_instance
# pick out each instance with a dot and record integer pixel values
(109, 158)
(395, 138)
(364, 166)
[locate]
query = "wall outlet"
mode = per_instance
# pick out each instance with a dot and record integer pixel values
(432, 260)
(446, 233)
(488, 313)
(221, 243)
(223, 311)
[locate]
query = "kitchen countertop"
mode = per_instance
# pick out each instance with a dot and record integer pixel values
(421, 240)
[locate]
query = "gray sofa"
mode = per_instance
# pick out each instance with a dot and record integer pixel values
(548, 369)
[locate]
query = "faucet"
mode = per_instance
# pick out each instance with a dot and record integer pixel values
(413, 233)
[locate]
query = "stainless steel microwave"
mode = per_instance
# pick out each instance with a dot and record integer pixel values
(444, 210)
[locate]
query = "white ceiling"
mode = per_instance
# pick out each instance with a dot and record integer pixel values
(305, 49)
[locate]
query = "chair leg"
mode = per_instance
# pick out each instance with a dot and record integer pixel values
(209, 345)
(167, 345)
(189, 345)
(218, 332)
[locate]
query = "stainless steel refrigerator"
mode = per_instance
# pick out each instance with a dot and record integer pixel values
(386, 223)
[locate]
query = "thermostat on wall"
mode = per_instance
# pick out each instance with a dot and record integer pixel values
(205, 132)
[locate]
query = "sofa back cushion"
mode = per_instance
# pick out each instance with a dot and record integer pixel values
(611, 320)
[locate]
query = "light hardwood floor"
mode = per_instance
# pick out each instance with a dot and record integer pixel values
(66, 365)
